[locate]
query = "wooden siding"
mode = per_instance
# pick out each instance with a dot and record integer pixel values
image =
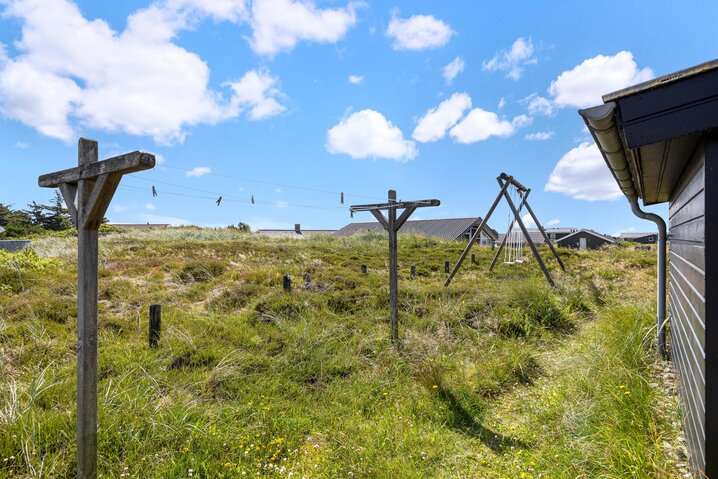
(687, 292)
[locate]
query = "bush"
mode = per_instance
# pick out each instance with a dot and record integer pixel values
(201, 272)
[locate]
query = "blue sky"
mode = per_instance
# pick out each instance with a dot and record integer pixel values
(293, 102)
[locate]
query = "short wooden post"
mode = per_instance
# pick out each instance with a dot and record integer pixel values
(363, 269)
(307, 279)
(287, 283)
(413, 271)
(446, 266)
(473, 258)
(155, 324)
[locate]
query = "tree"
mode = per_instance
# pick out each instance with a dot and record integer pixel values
(53, 217)
(242, 227)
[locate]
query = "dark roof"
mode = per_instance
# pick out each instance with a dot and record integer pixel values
(636, 235)
(292, 233)
(447, 228)
(140, 225)
(591, 232)
(537, 237)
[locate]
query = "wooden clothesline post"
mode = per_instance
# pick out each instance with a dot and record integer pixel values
(392, 224)
(87, 191)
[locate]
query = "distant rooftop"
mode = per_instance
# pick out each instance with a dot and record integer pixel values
(447, 228)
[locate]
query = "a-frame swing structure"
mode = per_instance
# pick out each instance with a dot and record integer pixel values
(505, 182)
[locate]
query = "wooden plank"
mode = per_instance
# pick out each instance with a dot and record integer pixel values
(381, 219)
(693, 230)
(69, 194)
(691, 254)
(545, 236)
(102, 193)
(396, 205)
(127, 163)
(404, 216)
(693, 208)
(692, 181)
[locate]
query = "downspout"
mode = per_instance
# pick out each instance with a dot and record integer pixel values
(601, 122)
(661, 300)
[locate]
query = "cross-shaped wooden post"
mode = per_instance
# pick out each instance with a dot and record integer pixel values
(392, 224)
(87, 191)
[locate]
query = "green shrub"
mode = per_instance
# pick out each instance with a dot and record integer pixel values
(201, 272)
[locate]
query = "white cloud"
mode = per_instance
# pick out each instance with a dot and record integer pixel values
(279, 24)
(277, 189)
(199, 171)
(367, 134)
(119, 208)
(21, 145)
(584, 85)
(355, 79)
(435, 122)
(72, 73)
(281, 204)
(514, 60)
(159, 159)
(528, 221)
(502, 103)
(582, 174)
(538, 105)
(540, 136)
(418, 32)
(150, 206)
(480, 124)
(451, 70)
(552, 222)
(156, 219)
(256, 90)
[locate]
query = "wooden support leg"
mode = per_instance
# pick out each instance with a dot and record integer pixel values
(478, 232)
(393, 272)
(545, 237)
(503, 242)
(528, 239)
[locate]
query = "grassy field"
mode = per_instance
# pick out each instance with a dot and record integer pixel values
(497, 376)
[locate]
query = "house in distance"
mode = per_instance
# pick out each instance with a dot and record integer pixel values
(455, 229)
(642, 238)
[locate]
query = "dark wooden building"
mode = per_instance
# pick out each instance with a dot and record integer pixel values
(641, 238)
(585, 240)
(660, 141)
(447, 228)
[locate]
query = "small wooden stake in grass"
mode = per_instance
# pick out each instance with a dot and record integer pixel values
(287, 283)
(155, 324)
(473, 258)
(392, 224)
(87, 191)
(413, 271)
(446, 266)
(363, 269)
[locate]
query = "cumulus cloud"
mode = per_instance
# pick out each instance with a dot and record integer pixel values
(150, 206)
(367, 134)
(480, 125)
(434, 124)
(257, 91)
(73, 73)
(355, 79)
(540, 136)
(583, 85)
(528, 221)
(513, 60)
(552, 222)
(199, 171)
(418, 32)
(277, 25)
(582, 174)
(21, 145)
(538, 105)
(451, 70)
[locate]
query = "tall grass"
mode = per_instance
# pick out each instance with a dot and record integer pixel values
(498, 375)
